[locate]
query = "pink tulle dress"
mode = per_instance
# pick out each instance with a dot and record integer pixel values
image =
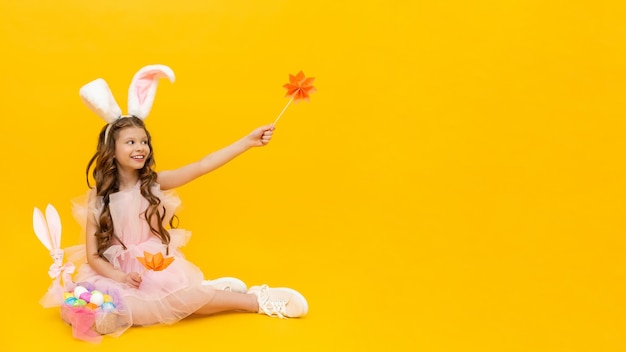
(164, 296)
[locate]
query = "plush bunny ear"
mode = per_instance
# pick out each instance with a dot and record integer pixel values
(143, 88)
(41, 228)
(54, 226)
(98, 97)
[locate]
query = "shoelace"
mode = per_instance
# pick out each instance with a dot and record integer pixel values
(271, 307)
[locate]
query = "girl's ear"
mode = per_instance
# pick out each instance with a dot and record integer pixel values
(98, 97)
(143, 88)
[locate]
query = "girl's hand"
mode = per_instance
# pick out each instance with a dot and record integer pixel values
(133, 279)
(260, 136)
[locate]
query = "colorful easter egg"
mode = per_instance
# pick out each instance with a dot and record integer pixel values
(70, 300)
(85, 296)
(79, 290)
(108, 306)
(97, 298)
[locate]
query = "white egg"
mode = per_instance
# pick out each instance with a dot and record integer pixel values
(79, 290)
(97, 298)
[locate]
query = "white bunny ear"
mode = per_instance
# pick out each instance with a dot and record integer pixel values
(98, 97)
(143, 88)
(41, 228)
(54, 226)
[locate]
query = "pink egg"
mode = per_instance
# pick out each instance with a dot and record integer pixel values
(85, 296)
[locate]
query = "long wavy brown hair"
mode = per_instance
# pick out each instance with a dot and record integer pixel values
(105, 175)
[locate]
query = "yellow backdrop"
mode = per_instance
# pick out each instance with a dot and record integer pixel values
(456, 183)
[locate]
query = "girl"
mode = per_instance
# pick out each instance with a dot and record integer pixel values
(128, 214)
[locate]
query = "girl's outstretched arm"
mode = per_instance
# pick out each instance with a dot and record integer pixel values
(259, 137)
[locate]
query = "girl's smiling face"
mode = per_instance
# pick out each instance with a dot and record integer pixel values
(131, 148)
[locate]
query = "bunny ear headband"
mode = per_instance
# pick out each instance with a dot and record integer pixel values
(99, 99)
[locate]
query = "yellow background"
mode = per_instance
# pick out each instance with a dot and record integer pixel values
(456, 183)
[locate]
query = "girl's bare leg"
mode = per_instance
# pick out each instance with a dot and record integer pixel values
(224, 301)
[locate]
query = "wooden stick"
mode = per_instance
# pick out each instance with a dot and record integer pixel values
(282, 112)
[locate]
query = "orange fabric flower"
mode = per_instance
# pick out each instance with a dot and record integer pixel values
(155, 262)
(299, 87)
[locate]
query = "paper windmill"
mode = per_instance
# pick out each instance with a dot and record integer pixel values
(298, 88)
(155, 262)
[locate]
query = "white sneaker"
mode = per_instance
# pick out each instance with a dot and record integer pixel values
(282, 302)
(226, 284)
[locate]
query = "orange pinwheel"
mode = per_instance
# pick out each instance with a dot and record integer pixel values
(298, 88)
(155, 262)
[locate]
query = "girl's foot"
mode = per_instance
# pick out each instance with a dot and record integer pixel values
(281, 302)
(226, 284)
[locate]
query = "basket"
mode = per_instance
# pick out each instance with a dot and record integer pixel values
(90, 314)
